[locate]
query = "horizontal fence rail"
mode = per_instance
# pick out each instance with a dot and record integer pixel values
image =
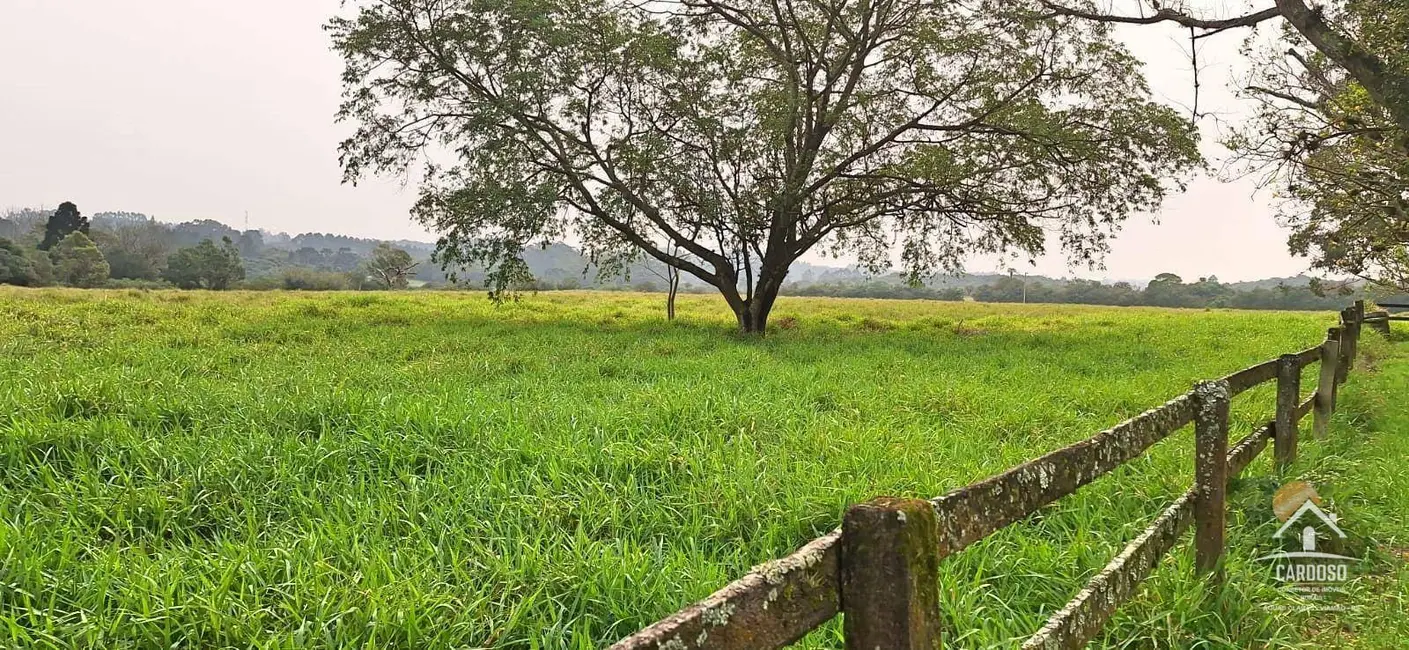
(779, 602)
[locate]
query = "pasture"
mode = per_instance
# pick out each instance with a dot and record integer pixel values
(429, 470)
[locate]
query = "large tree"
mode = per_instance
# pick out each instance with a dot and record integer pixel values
(1330, 130)
(748, 133)
(65, 221)
(1338, 158)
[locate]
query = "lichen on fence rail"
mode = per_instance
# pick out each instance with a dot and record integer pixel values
(1242, 454)
(773, 606)
(1082, 618)
(969, 514)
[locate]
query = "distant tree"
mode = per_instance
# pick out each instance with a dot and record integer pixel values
(78, 262)
(44, 271)
(251, 243)
(391, 266)
(191, 233)
(15, 266)
(66, 220)
(1167, 290)
(345, 260)
(205, 266)
(135, 249)
(671, 276)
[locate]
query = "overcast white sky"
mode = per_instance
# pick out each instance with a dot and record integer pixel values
(189, 109)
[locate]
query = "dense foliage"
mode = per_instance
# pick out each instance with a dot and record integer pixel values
(729, 139)
(78, 262)
(138, 248)
(1331, 129)
(1338, 157)
(391, 266)
(15, 266)
(65, 221)
(205, 266)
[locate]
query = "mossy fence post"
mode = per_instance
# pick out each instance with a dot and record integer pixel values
(1210, 474)
(890, 575)
(1288, 399)
(1326, 385)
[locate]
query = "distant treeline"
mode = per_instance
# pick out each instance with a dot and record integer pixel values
(125, 249)
(1166, 290)
(134, 250)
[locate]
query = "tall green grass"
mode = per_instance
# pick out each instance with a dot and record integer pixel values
(273, 470)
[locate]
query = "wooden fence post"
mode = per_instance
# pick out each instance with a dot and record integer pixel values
(1210, 474)
(1346, 333)
(890, 575)
(1326, 385)
(1380, 321)
(1288, 399)
(1357, 319)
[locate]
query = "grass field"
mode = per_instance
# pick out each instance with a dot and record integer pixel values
(427, 470)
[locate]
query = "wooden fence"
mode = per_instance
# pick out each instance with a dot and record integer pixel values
(881, 567)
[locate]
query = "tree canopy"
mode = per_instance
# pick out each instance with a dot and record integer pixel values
(728, 139)
(78, 262)
(66, 220)
(1331, 126)
(391, 266)
(1338, 157)
(205, 266)
(15, 266)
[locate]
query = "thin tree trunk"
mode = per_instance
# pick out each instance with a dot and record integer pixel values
(670, 297)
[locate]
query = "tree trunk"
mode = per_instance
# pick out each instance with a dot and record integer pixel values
(753, 313)
(674, 289)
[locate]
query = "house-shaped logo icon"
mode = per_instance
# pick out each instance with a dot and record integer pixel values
(1310, 570)
(1302, 518)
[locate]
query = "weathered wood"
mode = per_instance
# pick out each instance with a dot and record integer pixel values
(1379, 321)
(1303, 409)
(890, 575)
(1079, 622)
(1210, 474)
(1288, 394)
(1326, 384)
(1358, 314)
(1347, 345)
(1081, 619)
(773, 606)
(971, 513)
(1309, 356)
(1249, 377)
(1247, 450)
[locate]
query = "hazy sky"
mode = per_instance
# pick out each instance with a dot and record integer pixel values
(188, 109)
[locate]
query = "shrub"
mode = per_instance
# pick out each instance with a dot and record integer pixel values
(79, 263)
(306, 279)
